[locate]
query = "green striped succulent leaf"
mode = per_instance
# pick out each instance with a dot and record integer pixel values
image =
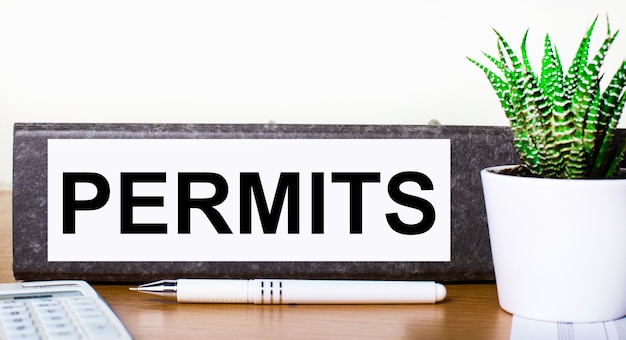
(563, 124)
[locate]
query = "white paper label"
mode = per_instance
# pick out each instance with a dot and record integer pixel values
(248, 200)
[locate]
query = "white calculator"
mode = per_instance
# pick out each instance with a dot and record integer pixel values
(56, 310)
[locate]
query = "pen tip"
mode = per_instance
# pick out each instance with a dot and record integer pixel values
(133, 288)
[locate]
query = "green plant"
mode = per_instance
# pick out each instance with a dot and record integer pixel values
(563, 124)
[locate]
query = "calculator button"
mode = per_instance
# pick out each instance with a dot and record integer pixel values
(79, 300)
(100, 330)
(20, 312)
(94, 318)
(54, 319)
(30, 336)
(20, 329)
(59, 328)
(49, 309)
(87, 311)
(63, 335)
(48, 303)
(17, 320)
(51, 312)
(9, 307)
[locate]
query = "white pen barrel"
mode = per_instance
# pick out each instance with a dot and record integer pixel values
(345, 292)
(212, 291)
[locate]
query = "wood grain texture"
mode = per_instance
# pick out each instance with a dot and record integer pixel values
(6, 243)
(471, 311)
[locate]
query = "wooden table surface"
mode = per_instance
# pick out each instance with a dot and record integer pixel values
(470, 311)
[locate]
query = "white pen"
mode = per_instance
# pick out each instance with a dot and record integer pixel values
(279, 291)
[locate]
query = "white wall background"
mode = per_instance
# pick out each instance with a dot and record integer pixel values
(246, 61)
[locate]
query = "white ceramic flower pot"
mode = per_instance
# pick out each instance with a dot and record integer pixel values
(558, 246)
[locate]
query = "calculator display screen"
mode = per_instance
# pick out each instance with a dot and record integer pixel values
(42, 295)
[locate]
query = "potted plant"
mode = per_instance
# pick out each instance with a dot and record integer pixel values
(557, 221)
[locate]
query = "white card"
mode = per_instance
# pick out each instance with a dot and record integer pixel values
(372, 199)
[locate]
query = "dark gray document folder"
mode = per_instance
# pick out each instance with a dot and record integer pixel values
(472, 148)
